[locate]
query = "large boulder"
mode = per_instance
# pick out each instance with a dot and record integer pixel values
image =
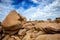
(12, 23)
(11, 19)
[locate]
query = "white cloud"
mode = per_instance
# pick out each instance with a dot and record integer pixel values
(41, 2)
(34, 13)
(4, 10)
(51, 6)
(35, 1)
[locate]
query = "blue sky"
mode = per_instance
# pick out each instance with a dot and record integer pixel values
(31, 9)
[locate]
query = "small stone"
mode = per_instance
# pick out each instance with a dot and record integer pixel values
(16, 37)
(11, 38)
(6, 37)
(22, 32)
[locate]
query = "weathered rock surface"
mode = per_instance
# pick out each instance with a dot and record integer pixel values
(48, 37)
(11, 38)
(28, 26)
(48, 27)
(15, 37)
(11, 19)
(6, 37)
(22, 32)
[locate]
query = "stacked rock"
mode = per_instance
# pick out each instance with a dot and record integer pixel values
(15, 27)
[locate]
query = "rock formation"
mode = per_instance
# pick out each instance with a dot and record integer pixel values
(16, 27)
(13, 22)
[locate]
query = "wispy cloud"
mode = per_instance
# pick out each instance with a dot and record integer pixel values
(5, 8)
(48, 11)
(6, 1)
